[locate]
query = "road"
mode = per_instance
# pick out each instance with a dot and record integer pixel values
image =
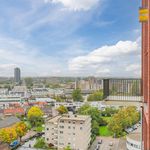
(28, 145)
(105, 143)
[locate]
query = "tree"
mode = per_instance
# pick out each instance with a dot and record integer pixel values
(29, 82)
(8, 135)
(126, 117)
(96, 96)
(35, 116)
(96, 118)
(21, 129)
(62, 109)
(40, 143)
(67, 148)
(95, 128)
(108, 112)
(76, 95)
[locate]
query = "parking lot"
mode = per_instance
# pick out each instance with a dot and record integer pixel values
(108, 143)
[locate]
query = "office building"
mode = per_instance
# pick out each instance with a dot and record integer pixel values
(69, 130)
(17, 75)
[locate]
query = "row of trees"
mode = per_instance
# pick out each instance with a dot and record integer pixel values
(126, 117)
(96, 96)
(77, 96)
(7, 135)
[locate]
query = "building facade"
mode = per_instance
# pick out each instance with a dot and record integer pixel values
(69, 130)
(144, 19)
(133, 141)
(17, 75)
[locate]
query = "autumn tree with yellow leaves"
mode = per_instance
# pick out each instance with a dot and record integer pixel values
(7, 135)
(35, 116)
(21, 129)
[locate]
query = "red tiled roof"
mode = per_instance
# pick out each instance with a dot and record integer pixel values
(14, 111)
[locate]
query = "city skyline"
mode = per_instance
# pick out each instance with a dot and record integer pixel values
(38, 37)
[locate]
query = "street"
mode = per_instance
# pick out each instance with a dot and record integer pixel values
(105, 145)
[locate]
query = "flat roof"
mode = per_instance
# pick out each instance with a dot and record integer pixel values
(75, 117)
(55, 119)
(69, 117)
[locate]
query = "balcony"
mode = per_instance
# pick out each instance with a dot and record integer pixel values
(122, 90)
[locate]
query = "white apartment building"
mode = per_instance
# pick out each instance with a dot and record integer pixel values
(69, 130)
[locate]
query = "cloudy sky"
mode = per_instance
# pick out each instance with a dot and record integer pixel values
(70, 37)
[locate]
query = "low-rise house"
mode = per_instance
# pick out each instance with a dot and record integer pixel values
(14, 111)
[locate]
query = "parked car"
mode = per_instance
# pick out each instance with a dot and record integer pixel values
(14, 144)
(100, 141)
(97, 147)
(111, 144)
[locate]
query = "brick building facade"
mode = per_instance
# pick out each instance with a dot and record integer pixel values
(145, 15)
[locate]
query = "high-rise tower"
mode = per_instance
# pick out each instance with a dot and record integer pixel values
(17, 75)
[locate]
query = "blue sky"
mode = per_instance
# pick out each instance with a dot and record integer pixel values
(70, 37)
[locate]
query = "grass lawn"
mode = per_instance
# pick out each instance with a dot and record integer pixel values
(103, 131)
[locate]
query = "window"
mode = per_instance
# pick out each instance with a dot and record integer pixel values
(73, 127)
(47, 128)
(69, 127)
(69, 122)
(74, 134)
(81, 128)
(47, 139)
(61, 132)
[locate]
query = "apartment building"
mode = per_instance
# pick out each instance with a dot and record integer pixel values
(69, 130)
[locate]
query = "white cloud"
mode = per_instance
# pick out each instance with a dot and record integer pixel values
(134, 68)
(76, 5)
(109, 59)
(32, 61)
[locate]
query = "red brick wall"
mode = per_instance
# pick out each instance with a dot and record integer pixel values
(146, 77)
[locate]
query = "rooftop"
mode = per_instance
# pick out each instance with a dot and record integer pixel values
(69, 117)
(9, 121)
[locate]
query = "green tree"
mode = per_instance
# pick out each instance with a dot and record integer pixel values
(62, 109)
(96, 118)
(126, 117)
(35, 116)
(67, 148)
(108, 112)
(29, 82)
(96, 96)
(40, 143)
(76, 95)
